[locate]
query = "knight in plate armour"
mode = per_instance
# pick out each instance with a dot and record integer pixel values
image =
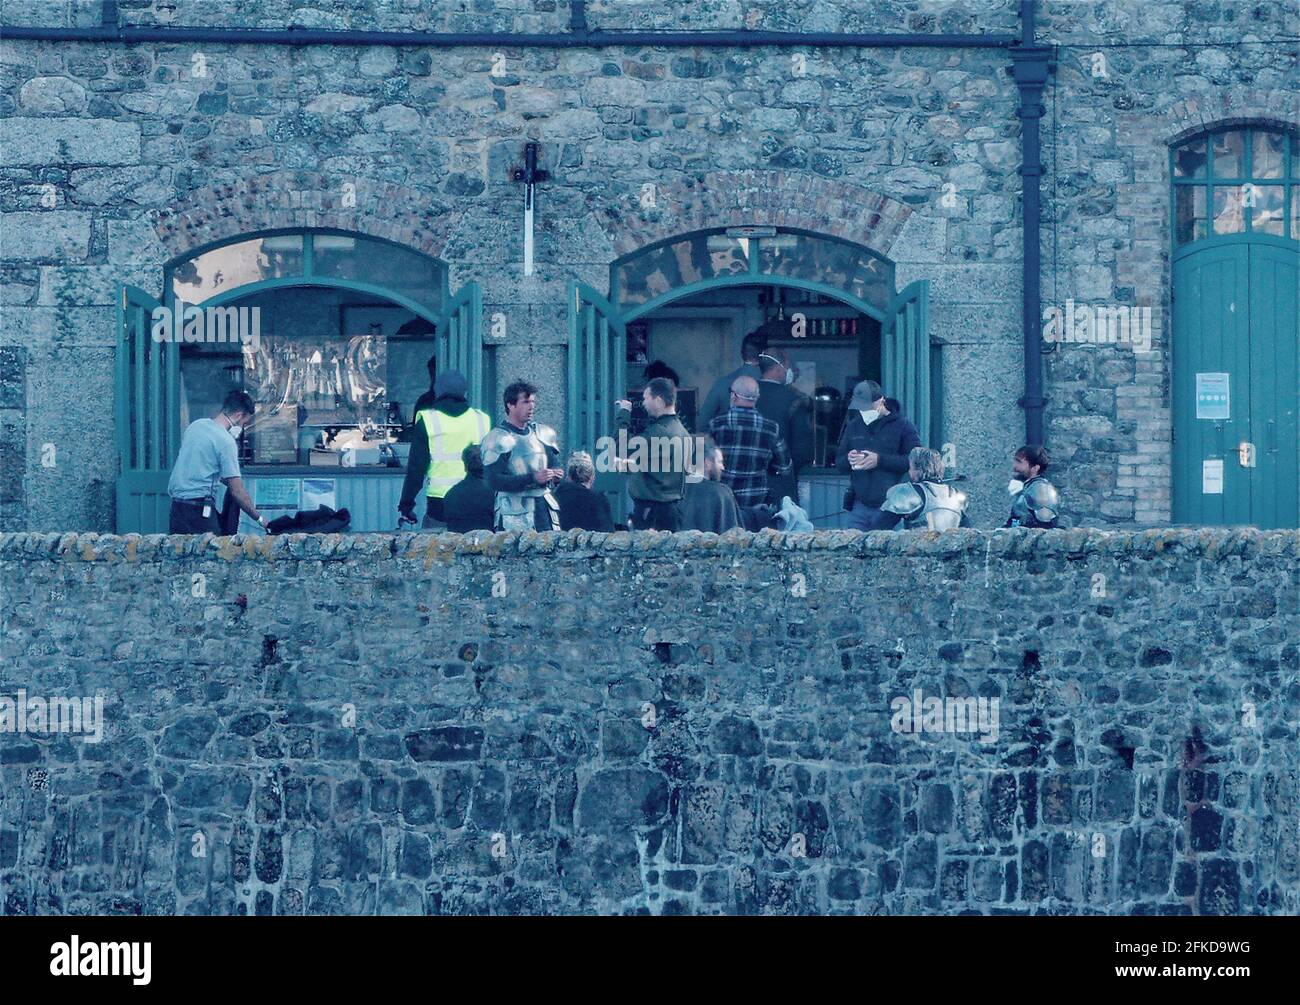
(1034, 500)
(925, 501)
(521, 464)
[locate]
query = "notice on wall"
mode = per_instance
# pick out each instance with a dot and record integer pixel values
(317, 492)
(1212, 477)
(1212, 396)
(273, 497)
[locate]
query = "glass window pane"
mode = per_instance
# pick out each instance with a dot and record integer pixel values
(235, 265)
(1267, 155)
(1189, 160)
(1266, 213)
(1295, 155)
(1229, 154)
(671, 266)
(831, 262)
(1295, 212)
(1189, 213)
(1229, 209)
(379, 263)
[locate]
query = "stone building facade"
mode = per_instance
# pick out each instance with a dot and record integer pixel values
(117, 158)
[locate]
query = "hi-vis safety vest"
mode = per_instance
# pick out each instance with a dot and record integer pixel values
(449, 435)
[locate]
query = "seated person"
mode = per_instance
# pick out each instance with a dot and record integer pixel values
(582, 507)
(468, 504)
(708, 504)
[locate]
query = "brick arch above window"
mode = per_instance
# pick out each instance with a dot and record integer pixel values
(762, 198)
(306, 200)
(1225, 109)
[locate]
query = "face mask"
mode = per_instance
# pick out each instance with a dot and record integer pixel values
(789, 376)
(869, 416)
(235, 431)
(1015, 486)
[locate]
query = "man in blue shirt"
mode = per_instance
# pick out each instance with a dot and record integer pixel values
(210, 453)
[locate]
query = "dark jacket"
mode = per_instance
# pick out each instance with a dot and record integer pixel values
(791, 410)
(417, 465)
(718, 399)
(321, 520)
(468, 506)
(892, 437)
(582, 508)
(659, 485)
(710, 506)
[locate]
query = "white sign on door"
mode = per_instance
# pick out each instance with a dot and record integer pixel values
(1212, 477)
(1212, 396)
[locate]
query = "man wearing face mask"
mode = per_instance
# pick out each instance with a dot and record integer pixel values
(210, 453)
(874, 451)
(791, 410)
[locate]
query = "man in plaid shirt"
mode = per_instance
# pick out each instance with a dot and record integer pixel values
(751, 445)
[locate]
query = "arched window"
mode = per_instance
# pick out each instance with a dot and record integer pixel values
(312, 257)
(666, 270)
(1237, 181)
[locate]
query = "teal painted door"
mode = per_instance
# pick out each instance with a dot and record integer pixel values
(1235, 315)
(597, 377)
(461, 345)
(147, 413)
(1275, 386)
(906, 365)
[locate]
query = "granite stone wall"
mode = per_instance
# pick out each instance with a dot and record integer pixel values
(655, 724)
(116, 158)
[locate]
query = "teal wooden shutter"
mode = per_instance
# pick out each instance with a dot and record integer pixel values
(461, 345)
(597, 377)
(147, 413)
(1274, 427)
(906, 364)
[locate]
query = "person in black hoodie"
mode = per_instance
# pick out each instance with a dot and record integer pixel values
(873, 450)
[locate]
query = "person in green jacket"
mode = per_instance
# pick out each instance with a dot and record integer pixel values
(657, 460)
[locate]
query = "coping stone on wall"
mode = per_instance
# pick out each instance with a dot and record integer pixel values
(1208, 542)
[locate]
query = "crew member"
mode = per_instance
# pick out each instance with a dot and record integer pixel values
(874, 448)
(791, 410)
(751, 445)
(520, 464)
(719, 397)
(210, 453)
(659, 473)
(439, 439)
(1034, 500)
(926, 501)
(468, 506)
(709, 505)
(581, 506)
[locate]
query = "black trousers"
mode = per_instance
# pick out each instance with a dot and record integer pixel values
(650, 515)
(433, 519)
(187, 518)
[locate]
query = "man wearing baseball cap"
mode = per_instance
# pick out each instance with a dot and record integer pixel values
(873, 451)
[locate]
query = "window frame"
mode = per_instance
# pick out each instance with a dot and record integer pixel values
(1289, 181)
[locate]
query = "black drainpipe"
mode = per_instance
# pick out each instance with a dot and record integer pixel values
(1030, 68)
(1030, 65)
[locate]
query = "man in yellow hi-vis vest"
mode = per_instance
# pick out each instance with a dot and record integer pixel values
(441, 434)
